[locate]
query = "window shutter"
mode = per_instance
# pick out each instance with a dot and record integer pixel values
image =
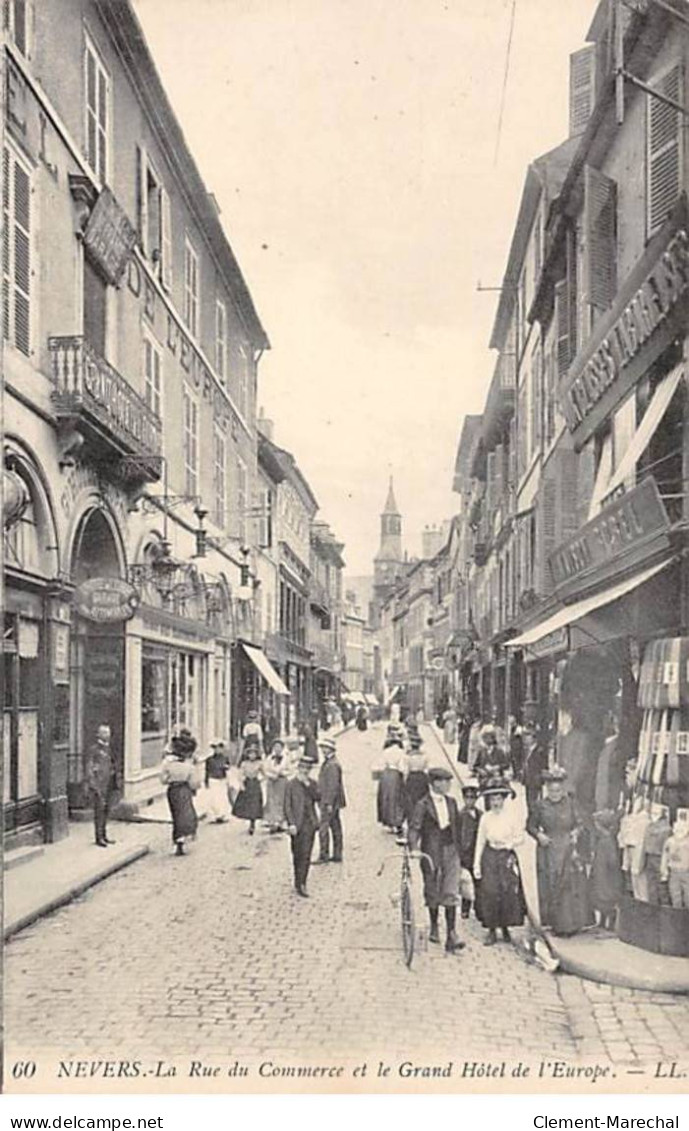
(6, 269)
(166, 240)
(582, 88)
(547, 530)
(600, 220)
(664, 154)
(142, 198)
(22, 258)
(16, 253)
(562, 327)
(566, 516)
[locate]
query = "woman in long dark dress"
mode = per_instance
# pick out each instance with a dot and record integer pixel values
(248, 804)
(562, 851)
(500, 901)
(416, 783)
(179, 773)
(391, 784)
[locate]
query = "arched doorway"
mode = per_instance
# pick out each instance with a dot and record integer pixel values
(98, 654)
(29, 696)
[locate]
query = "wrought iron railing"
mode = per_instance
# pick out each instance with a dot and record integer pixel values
(85, 382)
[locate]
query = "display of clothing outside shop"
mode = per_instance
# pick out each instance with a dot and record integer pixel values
(561, 865)
(631, 840)
(657, 833)
(674, 867)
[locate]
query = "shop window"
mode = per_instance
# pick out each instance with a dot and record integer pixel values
(16, 251)
(21, 542)
(97, 126)
(154, 689)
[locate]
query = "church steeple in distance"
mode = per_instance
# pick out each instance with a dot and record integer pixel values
(389, 560)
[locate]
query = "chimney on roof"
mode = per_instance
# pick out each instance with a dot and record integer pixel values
(264, 425)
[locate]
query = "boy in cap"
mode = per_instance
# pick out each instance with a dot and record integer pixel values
(301, 814)
(331, 797)
(468, 820)
(434, 829)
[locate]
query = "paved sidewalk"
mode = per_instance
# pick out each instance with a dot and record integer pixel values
(593, 954)
(65, 870)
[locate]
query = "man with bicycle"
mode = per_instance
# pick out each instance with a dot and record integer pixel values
(434, 830)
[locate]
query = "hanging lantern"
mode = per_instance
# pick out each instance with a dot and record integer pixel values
(15, 498)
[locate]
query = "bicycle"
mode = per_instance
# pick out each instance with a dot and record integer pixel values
(413, 936)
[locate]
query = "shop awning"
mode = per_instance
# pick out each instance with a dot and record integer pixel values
(578, 609)
(265, 669)
(392, 694)
(371, 700)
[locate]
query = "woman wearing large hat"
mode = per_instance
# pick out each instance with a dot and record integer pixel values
(501, 897)
(563, 849)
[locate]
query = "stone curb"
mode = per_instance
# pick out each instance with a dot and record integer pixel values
(73, 891)
(675, 981)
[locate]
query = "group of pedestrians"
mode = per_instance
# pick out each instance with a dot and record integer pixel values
(277, 787)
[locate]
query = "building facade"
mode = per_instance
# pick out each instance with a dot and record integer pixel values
(131, 347)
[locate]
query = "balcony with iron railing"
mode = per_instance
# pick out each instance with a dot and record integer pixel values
(117, 426)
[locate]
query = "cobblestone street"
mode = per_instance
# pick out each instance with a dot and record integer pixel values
(213, 954)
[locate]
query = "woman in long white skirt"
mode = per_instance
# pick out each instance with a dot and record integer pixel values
(217, 767)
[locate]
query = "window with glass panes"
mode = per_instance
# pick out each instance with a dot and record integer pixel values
(97, 112)
(191, 288)
(191, 444)
(220, 477)
(153, 377)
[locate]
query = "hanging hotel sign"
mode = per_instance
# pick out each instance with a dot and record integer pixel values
(650, 309)
(106, 599)
(109, 237)
(621, 528)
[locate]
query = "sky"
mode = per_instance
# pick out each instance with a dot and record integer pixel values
(352, 146)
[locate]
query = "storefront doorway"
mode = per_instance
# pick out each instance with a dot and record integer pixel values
(98, 659)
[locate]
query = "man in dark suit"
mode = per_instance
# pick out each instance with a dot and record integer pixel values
(434, 829)
(331, 799)
(301, 815)
(101, 778)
